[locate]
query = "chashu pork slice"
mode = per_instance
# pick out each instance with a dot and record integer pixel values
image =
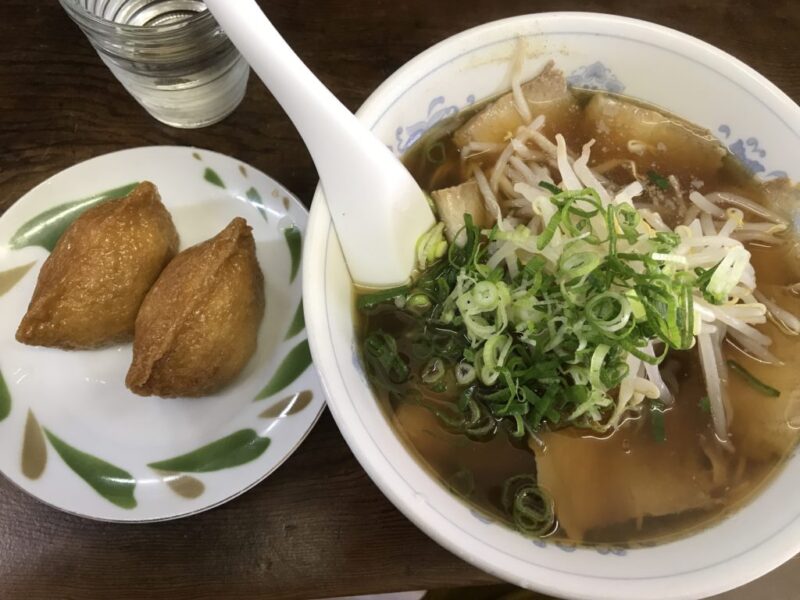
(624, 129)
(454, 202)
(598, 483)
(546, 94)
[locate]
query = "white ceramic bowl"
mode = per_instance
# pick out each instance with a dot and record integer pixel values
(662, 66)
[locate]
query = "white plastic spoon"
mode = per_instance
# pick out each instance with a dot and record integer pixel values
(377, 208)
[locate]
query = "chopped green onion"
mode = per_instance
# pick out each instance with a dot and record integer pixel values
(609, 312)
(637, 309)
(658, 180)
(578, 264)
(465, 373)
(447, 413)
(433, 371)
(553, 189)
(418, 303)
(727, 274)
(436, 153)
(369, 301)
(530, 508)
(549, 231)
(657, 425)
(383, 362)
(440, 387)
(539, 329)
(598, 356)
(485, 295)
(754, 382)
(431, 246)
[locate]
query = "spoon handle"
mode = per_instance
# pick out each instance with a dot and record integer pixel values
(377, 208)
(318, 115)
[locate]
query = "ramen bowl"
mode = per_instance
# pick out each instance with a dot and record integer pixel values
(749, 115)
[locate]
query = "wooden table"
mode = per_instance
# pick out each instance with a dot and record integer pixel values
(318, 527)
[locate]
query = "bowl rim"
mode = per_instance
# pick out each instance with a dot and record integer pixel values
(376, 465)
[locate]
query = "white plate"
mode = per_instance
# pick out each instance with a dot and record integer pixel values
(72, 434)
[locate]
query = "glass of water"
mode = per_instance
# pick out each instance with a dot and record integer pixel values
(171, 55)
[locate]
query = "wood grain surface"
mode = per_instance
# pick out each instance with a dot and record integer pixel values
(318, 527)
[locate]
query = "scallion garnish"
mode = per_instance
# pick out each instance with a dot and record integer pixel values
(530, 508)
(658, 180)
(550, 343)
(369, 301)
(561, 321)
(436, 153)
(657, 425)
(546, 185)
(385, 367)
(754, 382)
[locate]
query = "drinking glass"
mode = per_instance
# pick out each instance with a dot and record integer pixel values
(171, 55)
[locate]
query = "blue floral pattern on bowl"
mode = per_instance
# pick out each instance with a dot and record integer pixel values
(438, 109)
(612, 550)
(481, 517)
(566, 546)
(749, 151)
(596, 76)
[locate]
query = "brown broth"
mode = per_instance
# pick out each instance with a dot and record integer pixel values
(476, 469)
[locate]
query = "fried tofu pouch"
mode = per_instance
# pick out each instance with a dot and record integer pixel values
(198, 325)
(91, 286)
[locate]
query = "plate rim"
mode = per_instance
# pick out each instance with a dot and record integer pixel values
(16, 206)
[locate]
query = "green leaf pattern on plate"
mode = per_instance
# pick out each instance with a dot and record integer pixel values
(10, 278)
(5, 399)
(292, 366)
(112, 483)
(291, 405)
(210, 175)
(295, 241)
(231, 451)
(255, 199)
(298, 322)
(34, 449)
(46, 228)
